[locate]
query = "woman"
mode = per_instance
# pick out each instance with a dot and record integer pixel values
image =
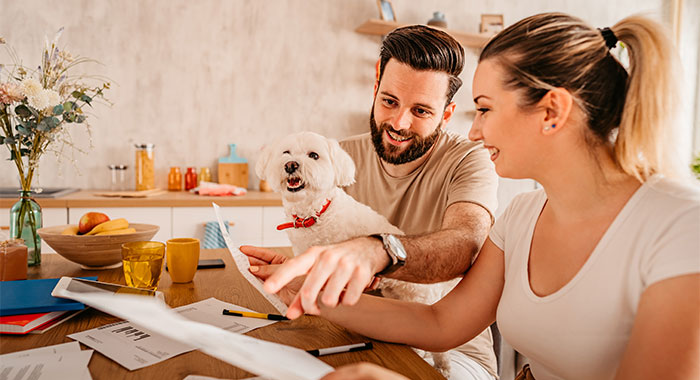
(596, 275)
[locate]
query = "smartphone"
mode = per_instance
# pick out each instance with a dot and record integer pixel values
(206, 264)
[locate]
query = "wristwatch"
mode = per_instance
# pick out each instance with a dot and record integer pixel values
(395, 250)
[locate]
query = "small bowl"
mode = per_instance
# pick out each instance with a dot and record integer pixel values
(94, 252)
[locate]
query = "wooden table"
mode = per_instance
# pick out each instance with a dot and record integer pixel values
(225, 284)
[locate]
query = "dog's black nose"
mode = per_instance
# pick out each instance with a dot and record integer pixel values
(291, 166)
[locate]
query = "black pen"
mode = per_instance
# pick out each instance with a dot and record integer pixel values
(251, 314)
(339, 349)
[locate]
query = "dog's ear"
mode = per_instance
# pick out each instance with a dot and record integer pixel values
(264, 159)
(343, 165)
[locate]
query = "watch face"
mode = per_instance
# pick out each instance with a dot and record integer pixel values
(396, 247)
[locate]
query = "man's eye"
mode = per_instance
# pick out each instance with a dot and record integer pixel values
(482, 110)
(421, 112)
(389, 102)
(313, 155)
(285, 152)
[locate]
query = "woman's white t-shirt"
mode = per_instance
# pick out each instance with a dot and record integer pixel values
(581, 330)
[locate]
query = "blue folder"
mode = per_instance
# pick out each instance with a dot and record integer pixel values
(33, 296)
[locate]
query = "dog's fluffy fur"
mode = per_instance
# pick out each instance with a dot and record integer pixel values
(308, 170)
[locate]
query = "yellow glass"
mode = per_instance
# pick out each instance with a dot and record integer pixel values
(182, 258)
(143, 263)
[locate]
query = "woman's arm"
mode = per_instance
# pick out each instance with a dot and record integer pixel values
(665, 339)
(461, 315)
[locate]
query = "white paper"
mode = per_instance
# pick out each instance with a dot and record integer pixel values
(243, 266)
(48, 350)
(47, 366)
(135, 347)
(253, 355)
(210, 310)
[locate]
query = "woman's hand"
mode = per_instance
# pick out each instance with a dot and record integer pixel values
(363, 371)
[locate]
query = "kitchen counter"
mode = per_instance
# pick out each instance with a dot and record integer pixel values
(87, 198)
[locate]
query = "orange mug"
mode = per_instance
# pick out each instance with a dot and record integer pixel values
(182, 256)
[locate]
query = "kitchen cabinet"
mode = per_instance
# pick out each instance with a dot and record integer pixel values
(246, 223)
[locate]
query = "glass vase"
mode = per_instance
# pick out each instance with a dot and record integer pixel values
(25, 220)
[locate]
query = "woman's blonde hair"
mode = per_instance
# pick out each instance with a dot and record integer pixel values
(627, 110)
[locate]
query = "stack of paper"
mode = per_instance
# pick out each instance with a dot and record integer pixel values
(62, 361)
(137, 347)
(260, 357)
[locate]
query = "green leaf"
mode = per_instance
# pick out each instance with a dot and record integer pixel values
(43, 125)
(69, 116)
(23, 130)
(13, 156)
(80, 119)
(77, 94)
(2, 139)
(86, 99)
(53, 122)
(68, 106)
(23, 111)
(58, 109)
(24, 152)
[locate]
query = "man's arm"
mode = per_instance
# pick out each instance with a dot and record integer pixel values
(447, 253)
(345, 269)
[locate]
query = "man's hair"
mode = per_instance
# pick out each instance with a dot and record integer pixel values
(424, 48)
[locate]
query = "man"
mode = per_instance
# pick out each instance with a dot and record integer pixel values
(437, 187)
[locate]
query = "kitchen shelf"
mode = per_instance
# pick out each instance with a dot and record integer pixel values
(381, 27)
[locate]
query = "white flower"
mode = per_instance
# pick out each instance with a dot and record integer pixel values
(39, 101)
(9, 93)
(30, 87)
(53, 97)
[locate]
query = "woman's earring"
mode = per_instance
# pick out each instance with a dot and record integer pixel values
(547, 128)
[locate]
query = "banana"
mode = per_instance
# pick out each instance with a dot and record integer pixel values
(110, 225)
(117, 232)
(71, 230)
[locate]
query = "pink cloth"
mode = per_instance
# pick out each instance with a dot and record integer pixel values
(219, 189)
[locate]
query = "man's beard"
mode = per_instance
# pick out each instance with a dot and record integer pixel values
(390, 153)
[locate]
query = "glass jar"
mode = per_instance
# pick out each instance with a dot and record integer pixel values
(25, 220)
(117, 173)
(190, 179)
(204, 175)
(144, 171)
(174, 179)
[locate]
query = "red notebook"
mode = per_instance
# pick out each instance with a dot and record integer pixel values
(24, 323)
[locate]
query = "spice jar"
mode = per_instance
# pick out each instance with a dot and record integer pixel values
(204, 175)
(13, 260)
(190, 179)
(144, 172)
(174, 179)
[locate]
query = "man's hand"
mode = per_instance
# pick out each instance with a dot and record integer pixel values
(342, 270)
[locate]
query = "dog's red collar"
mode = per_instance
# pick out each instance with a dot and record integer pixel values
(304, 222)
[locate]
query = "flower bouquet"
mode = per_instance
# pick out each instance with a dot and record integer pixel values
(37, 108)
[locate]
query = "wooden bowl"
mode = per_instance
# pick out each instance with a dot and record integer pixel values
(94, 252)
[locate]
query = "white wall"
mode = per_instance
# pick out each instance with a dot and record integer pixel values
(193, 76)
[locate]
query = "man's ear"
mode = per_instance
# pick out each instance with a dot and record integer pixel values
(377, 75)
(557, 104)
(448, 113)
(343, 165)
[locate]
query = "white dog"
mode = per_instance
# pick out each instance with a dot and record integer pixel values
(309, 171)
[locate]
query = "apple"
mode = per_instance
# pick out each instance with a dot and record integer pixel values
(90, 220)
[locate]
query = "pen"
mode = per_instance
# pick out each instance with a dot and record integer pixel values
(339, 349)
(252, 314)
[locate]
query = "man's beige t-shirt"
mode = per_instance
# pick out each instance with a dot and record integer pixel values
(457, 170)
